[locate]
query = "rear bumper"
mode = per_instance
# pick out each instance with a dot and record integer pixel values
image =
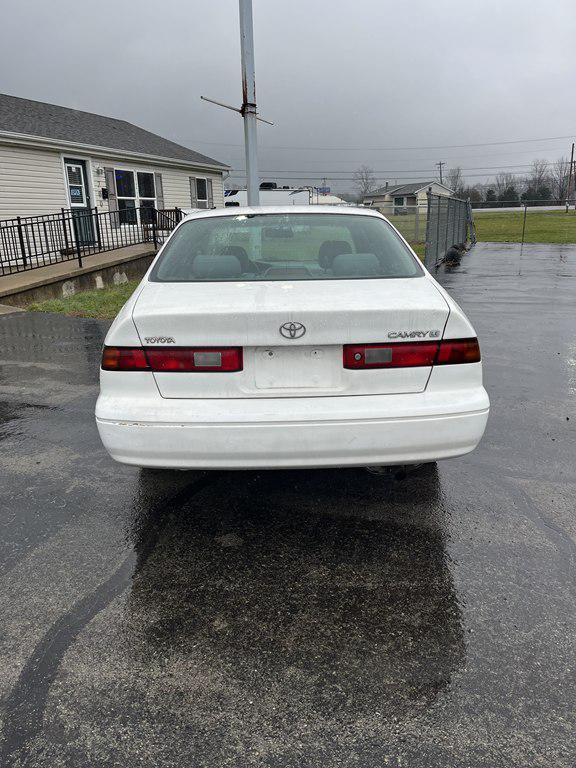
(293, 432)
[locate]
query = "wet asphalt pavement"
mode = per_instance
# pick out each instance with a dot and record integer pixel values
(296, 619)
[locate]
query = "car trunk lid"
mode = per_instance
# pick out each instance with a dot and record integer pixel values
(292, 333)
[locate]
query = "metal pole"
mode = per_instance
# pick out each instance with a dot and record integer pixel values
(440, 164)
(446, 244)
(77, 229)
(97, 223)
(522, 243)
(64, 230)
(438, 229)
(21, 240)
(570, 178)
(248, 110)
(154, 232)
(523, 227)
(428, 216)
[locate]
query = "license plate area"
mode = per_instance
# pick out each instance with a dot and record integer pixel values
(280, 368)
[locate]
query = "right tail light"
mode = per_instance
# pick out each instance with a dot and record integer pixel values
(453, 351)
(411, 354)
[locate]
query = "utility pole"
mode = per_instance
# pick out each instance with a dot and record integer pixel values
(439, 165)
(570, 191)
(248, 108)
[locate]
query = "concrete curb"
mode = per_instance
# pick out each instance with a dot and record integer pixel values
(28, 287)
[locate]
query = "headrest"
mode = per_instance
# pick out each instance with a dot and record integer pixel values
(217, 265)
(241, 255)
(356, 264)
(331, 248)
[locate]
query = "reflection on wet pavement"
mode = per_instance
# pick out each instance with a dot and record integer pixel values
(295, 618)
(333, 596)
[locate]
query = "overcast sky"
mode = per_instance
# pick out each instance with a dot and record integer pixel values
(341, 79)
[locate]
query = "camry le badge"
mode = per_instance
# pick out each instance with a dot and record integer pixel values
(414, 334)
(292, 330)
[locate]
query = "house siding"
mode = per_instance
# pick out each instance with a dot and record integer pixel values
(385, 202)
(436, 190)
(31, 182)
(175, 182)
(177, 187)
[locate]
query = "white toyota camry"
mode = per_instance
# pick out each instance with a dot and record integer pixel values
(289, 337)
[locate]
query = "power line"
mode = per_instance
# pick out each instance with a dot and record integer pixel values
(305, 175)
(452, 162)
(378, 178)
(397, 149)
(392, 171)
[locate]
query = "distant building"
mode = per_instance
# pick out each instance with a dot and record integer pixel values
(282, 196)
(399, 198)
(54, 157)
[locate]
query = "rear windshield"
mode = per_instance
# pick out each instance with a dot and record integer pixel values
(309, 246)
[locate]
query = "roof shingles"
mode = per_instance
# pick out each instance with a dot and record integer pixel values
(48, 121)
(401, 189)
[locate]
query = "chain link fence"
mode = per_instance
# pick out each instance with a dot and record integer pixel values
(409, 220)
(449, 221)
(433, 227)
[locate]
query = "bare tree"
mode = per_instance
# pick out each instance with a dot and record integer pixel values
(539, 173)
(559, 176)
(475, 193)
(364, 180)
(503, 181)
(538, 182)
(454, 179)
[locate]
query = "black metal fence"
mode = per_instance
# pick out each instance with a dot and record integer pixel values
(36, 241)
(449, 222)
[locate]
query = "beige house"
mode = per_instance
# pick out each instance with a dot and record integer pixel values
(53, 157)
(396, 199)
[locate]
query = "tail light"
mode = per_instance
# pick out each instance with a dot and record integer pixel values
(175, 359)
(411, 354)
(458, 351)
(189, 359)
(124, 359)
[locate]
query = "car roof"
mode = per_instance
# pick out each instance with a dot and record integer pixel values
(284, 209)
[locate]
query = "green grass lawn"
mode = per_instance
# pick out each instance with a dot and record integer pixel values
(104, 304)
(541, 226)
(414, 230)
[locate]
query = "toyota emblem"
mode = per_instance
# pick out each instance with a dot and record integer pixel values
(292, 330)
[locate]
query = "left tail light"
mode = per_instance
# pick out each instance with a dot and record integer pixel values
(173, 359)
(124, 359)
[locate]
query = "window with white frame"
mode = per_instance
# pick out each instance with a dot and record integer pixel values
(399, 202)
(201, 193)
(134, 190)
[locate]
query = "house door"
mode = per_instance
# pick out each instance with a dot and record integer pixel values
(78, 192)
